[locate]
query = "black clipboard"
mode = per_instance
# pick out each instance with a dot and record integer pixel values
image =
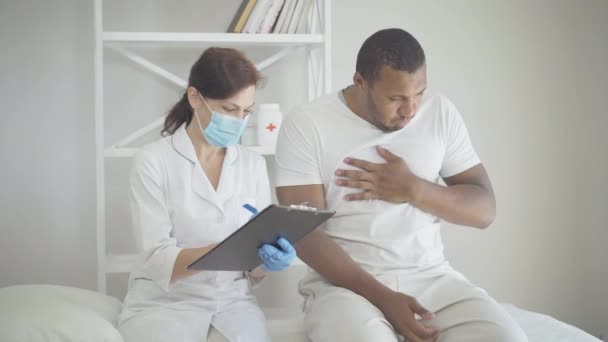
(239, 251)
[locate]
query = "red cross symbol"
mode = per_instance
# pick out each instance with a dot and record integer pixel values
(271, 127)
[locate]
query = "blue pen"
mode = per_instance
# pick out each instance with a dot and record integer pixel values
(251, 208)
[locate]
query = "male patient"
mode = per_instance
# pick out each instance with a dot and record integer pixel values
(374, 152)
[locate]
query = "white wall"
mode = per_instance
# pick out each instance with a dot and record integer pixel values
(529, 79)
(591, 198)
(47, 202)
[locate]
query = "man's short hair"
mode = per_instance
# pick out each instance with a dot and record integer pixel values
(392, 47)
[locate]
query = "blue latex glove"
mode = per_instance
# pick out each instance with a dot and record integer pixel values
(277, 259)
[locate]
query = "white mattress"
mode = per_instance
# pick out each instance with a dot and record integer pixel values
(55, 313)
(286, 326)
(540, 328)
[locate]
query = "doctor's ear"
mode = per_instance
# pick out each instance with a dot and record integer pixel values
(193, 96)
(192, 93)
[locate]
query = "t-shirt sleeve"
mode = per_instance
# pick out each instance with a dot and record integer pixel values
(459, 152)
(296, 158)
(264, 197)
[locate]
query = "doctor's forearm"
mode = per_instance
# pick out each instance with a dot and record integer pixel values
(463, 204)
(185, 258)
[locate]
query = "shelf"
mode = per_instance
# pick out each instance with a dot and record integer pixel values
(124, 263)
(194, 39)
(132, 45)
(113, 152)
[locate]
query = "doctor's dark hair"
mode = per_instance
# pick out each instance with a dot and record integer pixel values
(392, 47)
(219, 73)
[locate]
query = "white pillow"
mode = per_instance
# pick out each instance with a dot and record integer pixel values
(57, 314)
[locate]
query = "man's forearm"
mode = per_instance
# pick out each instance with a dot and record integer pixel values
(334, 264)
(463, 204)
(324, 255)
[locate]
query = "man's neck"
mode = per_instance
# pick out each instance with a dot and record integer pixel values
(352, 97)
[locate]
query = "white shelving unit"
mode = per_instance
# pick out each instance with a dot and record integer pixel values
(192, 39)
(317, 45)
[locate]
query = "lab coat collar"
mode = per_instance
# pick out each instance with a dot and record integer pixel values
(183, 145)
(200, 183)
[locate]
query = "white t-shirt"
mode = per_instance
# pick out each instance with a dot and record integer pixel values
(382, 237)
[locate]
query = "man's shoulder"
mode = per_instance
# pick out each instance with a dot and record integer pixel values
(319, 108)
(435, 102)
(437, 108)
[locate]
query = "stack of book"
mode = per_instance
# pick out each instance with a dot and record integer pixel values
(271, 16)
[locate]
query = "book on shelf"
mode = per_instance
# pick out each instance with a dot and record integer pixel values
(271, 16)
(303, 22)
(238, 14)
(289, 16)
(241, 16)
(276, 16)
(257, 15)
(282, 16)
(295, 19)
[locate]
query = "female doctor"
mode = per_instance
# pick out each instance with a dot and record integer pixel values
(187, 194)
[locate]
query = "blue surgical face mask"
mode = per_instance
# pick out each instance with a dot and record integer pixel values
(223, 130)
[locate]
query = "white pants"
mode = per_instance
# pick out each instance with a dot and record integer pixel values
(243, 322)
(463, 311)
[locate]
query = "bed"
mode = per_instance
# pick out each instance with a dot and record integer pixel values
(60, 314)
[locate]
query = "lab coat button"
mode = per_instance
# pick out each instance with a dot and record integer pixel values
(221, 219)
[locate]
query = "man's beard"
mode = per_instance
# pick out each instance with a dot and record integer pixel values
(373, 115)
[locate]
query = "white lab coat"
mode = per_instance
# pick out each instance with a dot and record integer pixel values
(173, 207)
